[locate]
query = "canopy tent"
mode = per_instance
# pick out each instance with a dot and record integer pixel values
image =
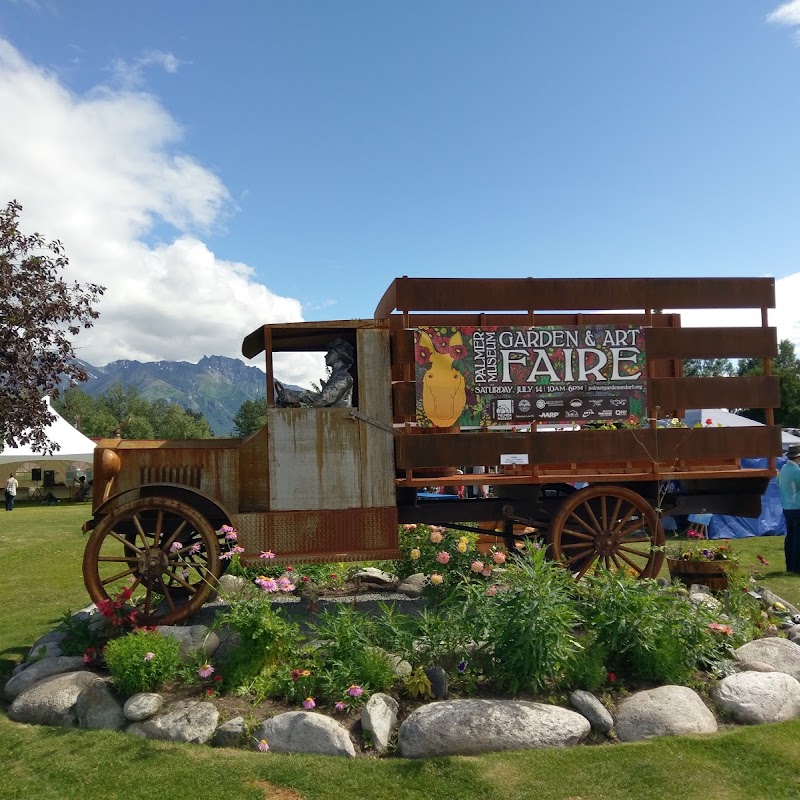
(719, 416)
(74, 448)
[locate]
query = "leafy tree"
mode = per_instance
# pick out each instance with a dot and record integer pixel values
(251, 416)
(123, 412)
(39, 314)
(787, 367)
(707, 368)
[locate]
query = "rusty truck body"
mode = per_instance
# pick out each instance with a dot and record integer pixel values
(558, 387)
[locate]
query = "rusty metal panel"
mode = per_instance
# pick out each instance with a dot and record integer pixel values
(254, 472)
(375, 407)
(584, 294)
(201, 464)
(313, 459)
(352, 535)
(760, 391)
(588, 446)
(711, 342)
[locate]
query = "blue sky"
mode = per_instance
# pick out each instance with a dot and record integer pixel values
(220, 166)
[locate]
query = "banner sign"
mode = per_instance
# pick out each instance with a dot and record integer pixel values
(551, 375)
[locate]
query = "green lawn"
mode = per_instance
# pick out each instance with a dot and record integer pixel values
(42, 578)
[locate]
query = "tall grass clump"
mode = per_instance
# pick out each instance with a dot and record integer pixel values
(646, 632)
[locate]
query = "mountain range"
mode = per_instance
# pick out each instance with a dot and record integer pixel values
(216, 386)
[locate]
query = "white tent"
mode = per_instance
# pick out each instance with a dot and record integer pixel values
(719, 416)
(74, 449)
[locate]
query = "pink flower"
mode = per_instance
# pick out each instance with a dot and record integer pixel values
(226, 529)
(763, 560)
(263, 746)
(340, 705)
(492, 590)
(266, 554)
(499, 557)
(195, 548)
(355, 690)
(477, 566)
(231, 535)
(309, 703)
(305, 579)
(718, 627)
(149, 656)
(206, 671)
(175, 547)
(443, 556)
(267, 584)
(487, 572)
(232, 552)
(709, 421)
(436, 537)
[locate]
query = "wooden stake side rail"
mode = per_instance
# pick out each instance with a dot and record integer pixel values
(581, 294)
(681, 448)
(662, 472)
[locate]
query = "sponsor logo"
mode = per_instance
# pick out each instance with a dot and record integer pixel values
(503, 409)
(540, 403)
(596, 402)
(573, 414)
(619, 402)
(588, 413)
(576, 403)
(524, 406)
(549, 415)
(605, 413)
(621, 412)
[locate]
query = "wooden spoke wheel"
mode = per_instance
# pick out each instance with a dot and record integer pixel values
(609, 525)
(162, 550)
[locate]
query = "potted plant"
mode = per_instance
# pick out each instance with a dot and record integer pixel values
(699, 561)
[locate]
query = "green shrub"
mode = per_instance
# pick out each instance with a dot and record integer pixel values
(531, 630)
(265, 640)
(82, 635)
(142, 661)
(647, 633)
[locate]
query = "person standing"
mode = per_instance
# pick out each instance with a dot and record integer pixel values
(789, 485)
(11, 492)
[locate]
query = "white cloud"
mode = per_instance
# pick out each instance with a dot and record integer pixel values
(98, 172)
(784, 317)
(786, 13)
(130, 74)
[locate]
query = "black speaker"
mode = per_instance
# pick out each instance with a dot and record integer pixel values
(36, 474)
(49, 477)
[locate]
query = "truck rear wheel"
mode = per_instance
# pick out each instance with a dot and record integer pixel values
(161, 550)
(609, 525)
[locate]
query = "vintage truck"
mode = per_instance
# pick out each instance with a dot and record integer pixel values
(547, 383)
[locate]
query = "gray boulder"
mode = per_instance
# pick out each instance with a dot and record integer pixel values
(47, 646)
(98, 709)
(413, 585)
(233, 587)
(470, 727)
(665, 711)
(185, 721)
(754, 666)
(52, 701)
(305, 732)
(781, 653)
(142, 705)
(39, 670)
(135, 729)
(194, 639)
(230, 734)
(587, 704)
(376, 577)
(379, 717)
(754, 698)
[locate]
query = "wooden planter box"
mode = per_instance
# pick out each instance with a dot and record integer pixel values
(713, 574)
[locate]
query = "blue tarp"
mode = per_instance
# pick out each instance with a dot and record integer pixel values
(770, 523)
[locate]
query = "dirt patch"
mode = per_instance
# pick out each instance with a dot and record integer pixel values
(272, 792)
